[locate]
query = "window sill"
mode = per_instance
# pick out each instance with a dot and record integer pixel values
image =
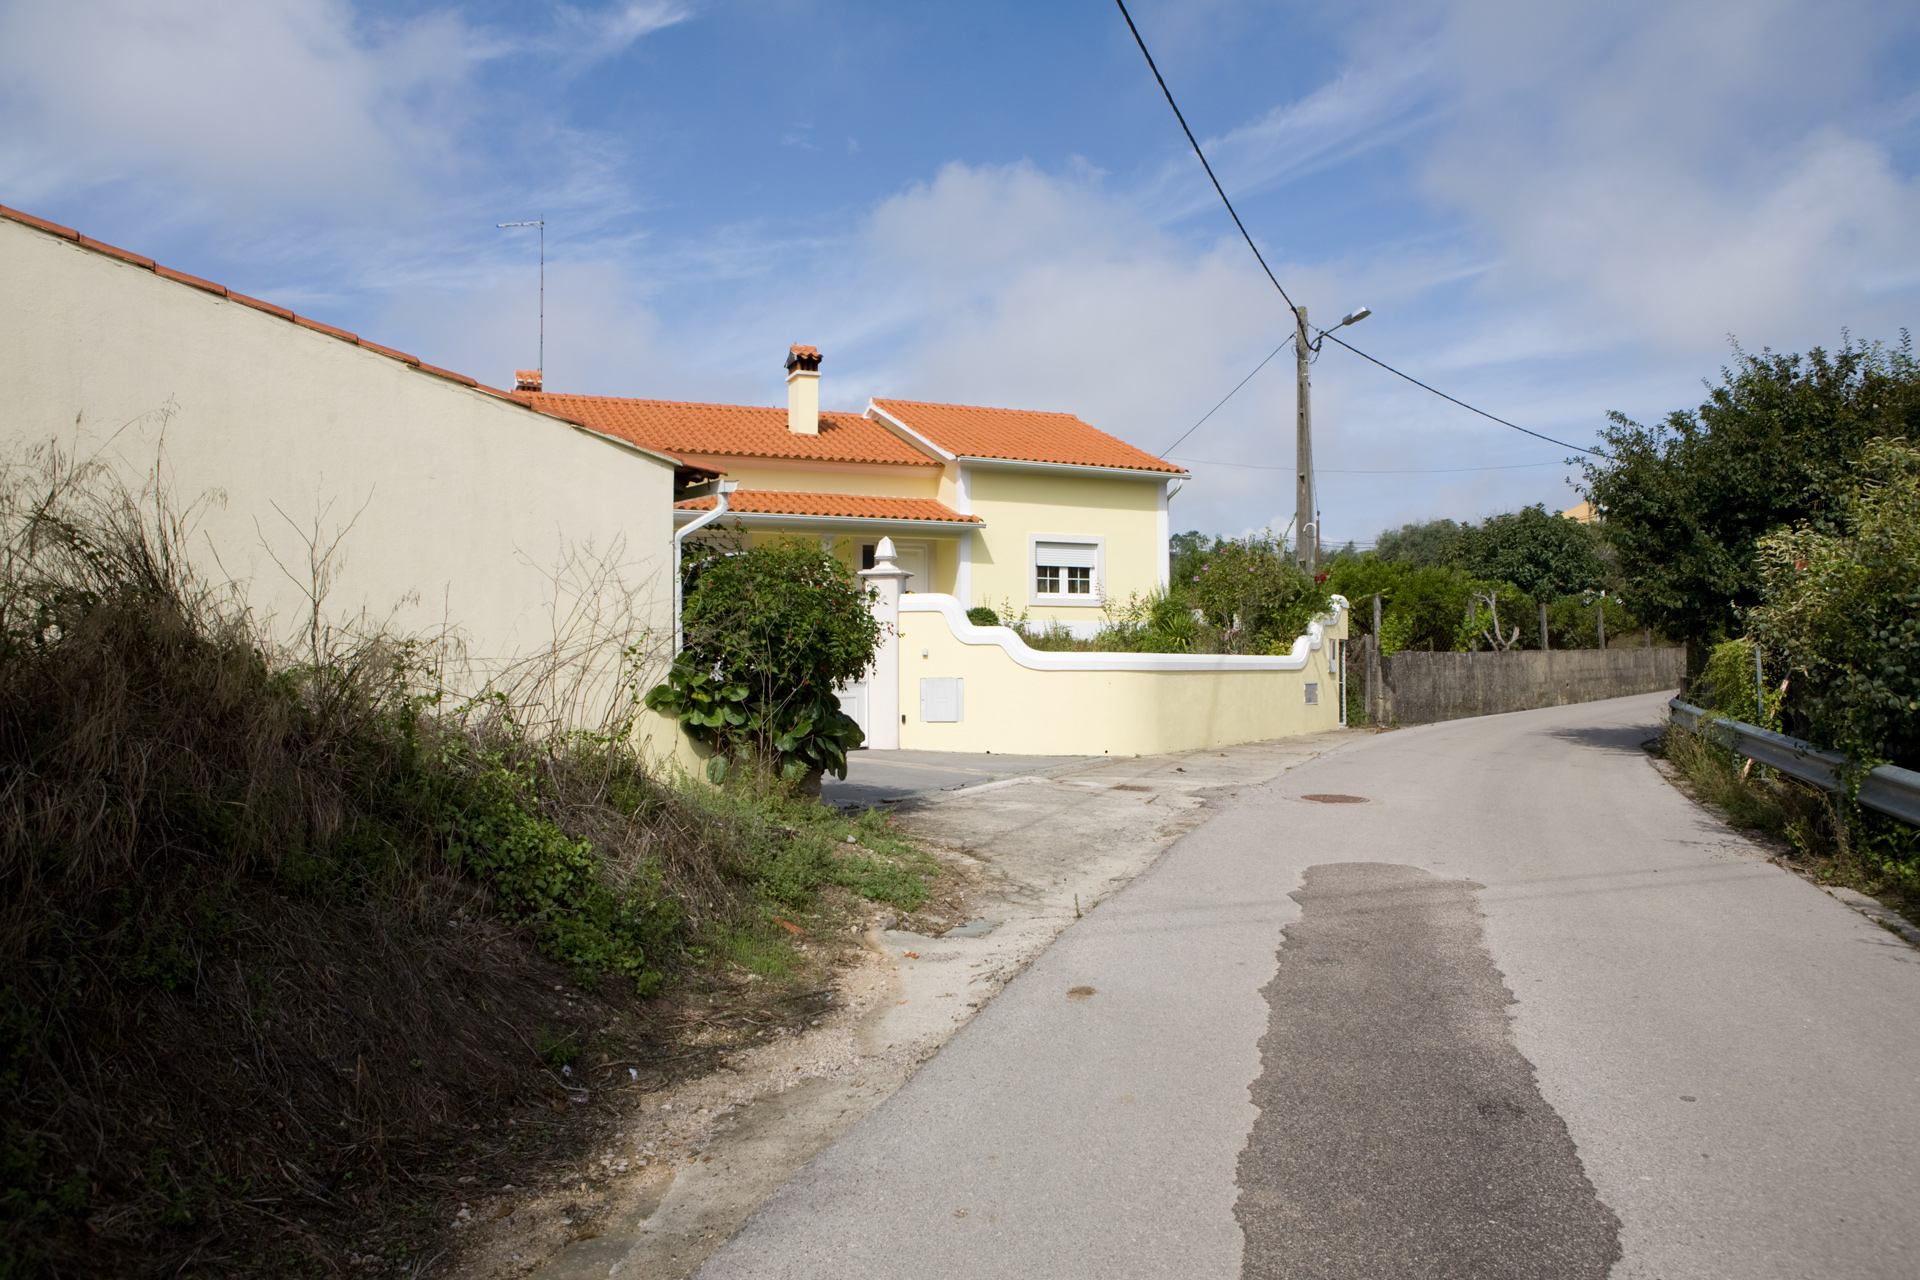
(1065, 602)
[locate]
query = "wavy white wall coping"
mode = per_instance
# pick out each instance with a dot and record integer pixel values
(1033, 659)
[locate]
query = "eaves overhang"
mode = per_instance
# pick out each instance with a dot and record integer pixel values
(1068, 468)
(777, 520)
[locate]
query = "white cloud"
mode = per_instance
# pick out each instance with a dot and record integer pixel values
(295, 106)
(283, 103)
(1666, 174)
(1363, 108)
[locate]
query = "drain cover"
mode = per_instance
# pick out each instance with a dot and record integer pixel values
(1335, 799)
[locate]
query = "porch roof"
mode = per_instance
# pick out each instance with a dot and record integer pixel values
(771, 508)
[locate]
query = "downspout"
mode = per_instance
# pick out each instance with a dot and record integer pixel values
(679, 539)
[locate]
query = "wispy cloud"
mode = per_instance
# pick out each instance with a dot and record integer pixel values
(1360, 109)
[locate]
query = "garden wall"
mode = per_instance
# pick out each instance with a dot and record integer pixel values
(968, 688)
(1419, 688)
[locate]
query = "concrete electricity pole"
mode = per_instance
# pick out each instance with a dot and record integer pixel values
(1306, 520)
(1306, 531)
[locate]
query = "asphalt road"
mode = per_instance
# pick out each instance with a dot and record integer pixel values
(1523, 1011)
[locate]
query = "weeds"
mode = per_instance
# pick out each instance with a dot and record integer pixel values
(1831, 838)
(283, 928)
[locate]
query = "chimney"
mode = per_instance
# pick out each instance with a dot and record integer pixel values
(526, 379)
(803, 391)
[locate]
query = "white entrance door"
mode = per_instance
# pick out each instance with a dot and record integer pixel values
(914, 558)
(853, 701)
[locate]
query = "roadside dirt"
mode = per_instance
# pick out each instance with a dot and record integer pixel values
(681, 1168)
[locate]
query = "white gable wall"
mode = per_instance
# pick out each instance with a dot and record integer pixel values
(464, 506)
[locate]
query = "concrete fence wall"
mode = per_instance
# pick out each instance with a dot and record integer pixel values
(1419, 688)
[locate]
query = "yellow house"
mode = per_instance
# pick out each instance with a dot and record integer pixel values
(1015, 509)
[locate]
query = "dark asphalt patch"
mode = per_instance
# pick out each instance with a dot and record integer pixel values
(1400, 1131)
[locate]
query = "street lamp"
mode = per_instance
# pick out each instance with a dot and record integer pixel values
(1306, 522)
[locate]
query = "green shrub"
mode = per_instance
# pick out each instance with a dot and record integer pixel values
(770, 633)
(981, 616)
(1253, 593)
(1841, 611)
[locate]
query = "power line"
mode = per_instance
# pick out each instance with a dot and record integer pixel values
(1223, 399)
(1261, 259)
(1396, 471)
(1203, 155)
(1580, 448)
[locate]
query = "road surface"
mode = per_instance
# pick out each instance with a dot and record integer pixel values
(1522, 1010)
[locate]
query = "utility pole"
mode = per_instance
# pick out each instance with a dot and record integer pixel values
(1306, 527)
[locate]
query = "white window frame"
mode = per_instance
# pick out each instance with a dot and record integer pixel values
(1097, 600)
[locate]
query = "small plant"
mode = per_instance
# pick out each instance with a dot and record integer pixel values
(981, 616)
(558, 1048)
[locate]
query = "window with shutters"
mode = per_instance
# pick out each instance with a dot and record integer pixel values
(1067, 570)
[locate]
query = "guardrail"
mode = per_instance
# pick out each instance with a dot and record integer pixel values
(1888, 788)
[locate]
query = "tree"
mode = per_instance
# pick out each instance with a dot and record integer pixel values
(1685, 503)
(1542, 553)
(1420, 546)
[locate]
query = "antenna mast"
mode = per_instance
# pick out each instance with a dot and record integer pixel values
(542, 224)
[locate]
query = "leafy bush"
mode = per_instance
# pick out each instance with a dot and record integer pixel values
(1254, 595)
(770, 632)
(981, 616)
(1687, 501)
(1842, 611)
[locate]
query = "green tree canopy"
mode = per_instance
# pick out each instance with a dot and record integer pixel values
(1421, 546)
(1541, 552)
(1686, 502)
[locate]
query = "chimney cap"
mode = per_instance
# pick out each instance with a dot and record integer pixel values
(805, 358)
(527, 379)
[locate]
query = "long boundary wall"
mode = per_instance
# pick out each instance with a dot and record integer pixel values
(1420, 688)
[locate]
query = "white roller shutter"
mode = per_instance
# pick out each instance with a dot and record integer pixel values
(1067, 555)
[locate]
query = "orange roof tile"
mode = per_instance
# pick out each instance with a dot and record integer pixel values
(849, 506)
(1021, 435)
(732, 430)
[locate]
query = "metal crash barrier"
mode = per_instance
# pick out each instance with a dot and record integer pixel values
(1888, 788)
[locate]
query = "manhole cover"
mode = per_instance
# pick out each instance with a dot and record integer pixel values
(1333, 799)
(1129, 786)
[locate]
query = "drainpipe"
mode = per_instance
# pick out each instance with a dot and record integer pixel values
(679, 538)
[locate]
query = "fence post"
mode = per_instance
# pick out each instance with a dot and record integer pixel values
(1543, 625)
(883, 682)
(1600, 620)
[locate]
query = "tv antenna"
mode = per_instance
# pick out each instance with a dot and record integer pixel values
(542, 224)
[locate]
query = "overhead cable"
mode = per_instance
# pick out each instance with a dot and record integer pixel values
(1223, 399)
(1391, 471)
(1261, 259)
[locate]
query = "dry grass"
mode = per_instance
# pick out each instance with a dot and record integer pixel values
(1824, 837)
(275, 963)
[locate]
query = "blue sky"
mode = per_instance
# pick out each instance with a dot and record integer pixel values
(1554, 210)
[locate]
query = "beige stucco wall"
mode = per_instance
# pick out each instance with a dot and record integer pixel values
(1009, 707)
(1018, 506)
(465, 509)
